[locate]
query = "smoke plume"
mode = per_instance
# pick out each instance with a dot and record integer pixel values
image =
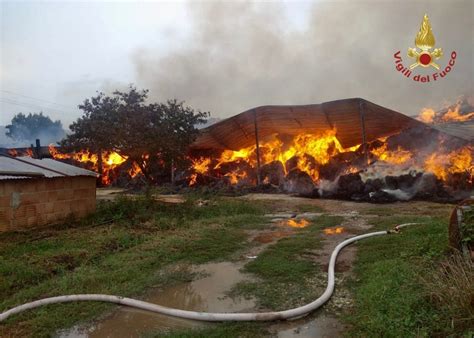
(241, 55)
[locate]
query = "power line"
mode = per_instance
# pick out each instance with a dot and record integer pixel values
(32, 106)
(35, 98)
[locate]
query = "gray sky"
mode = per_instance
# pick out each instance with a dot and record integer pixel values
(226, 57)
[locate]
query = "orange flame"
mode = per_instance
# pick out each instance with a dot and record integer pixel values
(399, 156)
(333, 231)
(134, 170)
(201, 165)
(453, 115)
(236, 176)
(310, 150)
(13, 152)
(429, 116)
(110, 160)
(458, 161)
(295, 224)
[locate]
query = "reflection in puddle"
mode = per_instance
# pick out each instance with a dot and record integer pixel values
(205, 294)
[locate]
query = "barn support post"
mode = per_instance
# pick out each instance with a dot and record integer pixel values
(172, 172)
(38, 149)
(100, 165)
(257, 147)
(362, 124)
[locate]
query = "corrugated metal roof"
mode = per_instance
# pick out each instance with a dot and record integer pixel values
(6, 177)
(46, 167)
(464, 130)
(343, 115)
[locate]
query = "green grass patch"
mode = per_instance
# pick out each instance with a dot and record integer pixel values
(307, 208)
(122, 249)
(390, 298)
(286, 269)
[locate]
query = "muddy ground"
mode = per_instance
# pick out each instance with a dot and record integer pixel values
(212, 282)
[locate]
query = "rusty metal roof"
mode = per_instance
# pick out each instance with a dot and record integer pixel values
(348, 117)
(27, 167)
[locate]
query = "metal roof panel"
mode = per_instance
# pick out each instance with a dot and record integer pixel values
(47, 167)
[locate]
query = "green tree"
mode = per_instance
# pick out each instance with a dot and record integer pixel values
(35, 126)
(153, 135)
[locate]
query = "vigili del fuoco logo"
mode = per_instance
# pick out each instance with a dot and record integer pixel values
(424, 55)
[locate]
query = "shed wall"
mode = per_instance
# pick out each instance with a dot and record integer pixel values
(26, 203)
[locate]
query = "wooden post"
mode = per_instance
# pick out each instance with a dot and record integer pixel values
(257, 147)
(38, 149)
(172, 171)
(100, 168)
(362, 123)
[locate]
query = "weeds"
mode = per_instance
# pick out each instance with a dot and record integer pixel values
(449, 285)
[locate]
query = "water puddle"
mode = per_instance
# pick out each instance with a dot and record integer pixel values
(205, 294)
(322, 326)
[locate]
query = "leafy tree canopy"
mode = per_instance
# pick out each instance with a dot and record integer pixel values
(124, 122)
(35, 126)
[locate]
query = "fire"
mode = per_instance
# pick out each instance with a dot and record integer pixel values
(310, 150)
(231, 156)
(295, 224)
(110, 160)
(429, 116)
(441, 165)
(235, 176)
(333, 231)
(399, 156)
(13, 152)
(453, 115)
(193, 179)
(201, 165)
(134, 170)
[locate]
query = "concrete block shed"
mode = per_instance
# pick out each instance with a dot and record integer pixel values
(37, 192)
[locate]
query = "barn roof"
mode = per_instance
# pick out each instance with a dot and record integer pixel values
(464, 130)
(27, 167)
(351, 118)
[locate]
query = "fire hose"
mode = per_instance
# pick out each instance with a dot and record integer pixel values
(209, 316)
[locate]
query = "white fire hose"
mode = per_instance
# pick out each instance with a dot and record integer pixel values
(209, 316)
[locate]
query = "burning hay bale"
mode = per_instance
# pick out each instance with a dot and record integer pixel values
(384, 170)
(273, 173)
(299, 182)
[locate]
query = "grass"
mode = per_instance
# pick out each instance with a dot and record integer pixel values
(286, 269)
(392, 298)
(451, 289)
(119, 250)
(404, 285)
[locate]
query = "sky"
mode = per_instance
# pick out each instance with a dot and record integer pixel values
(226, 57)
